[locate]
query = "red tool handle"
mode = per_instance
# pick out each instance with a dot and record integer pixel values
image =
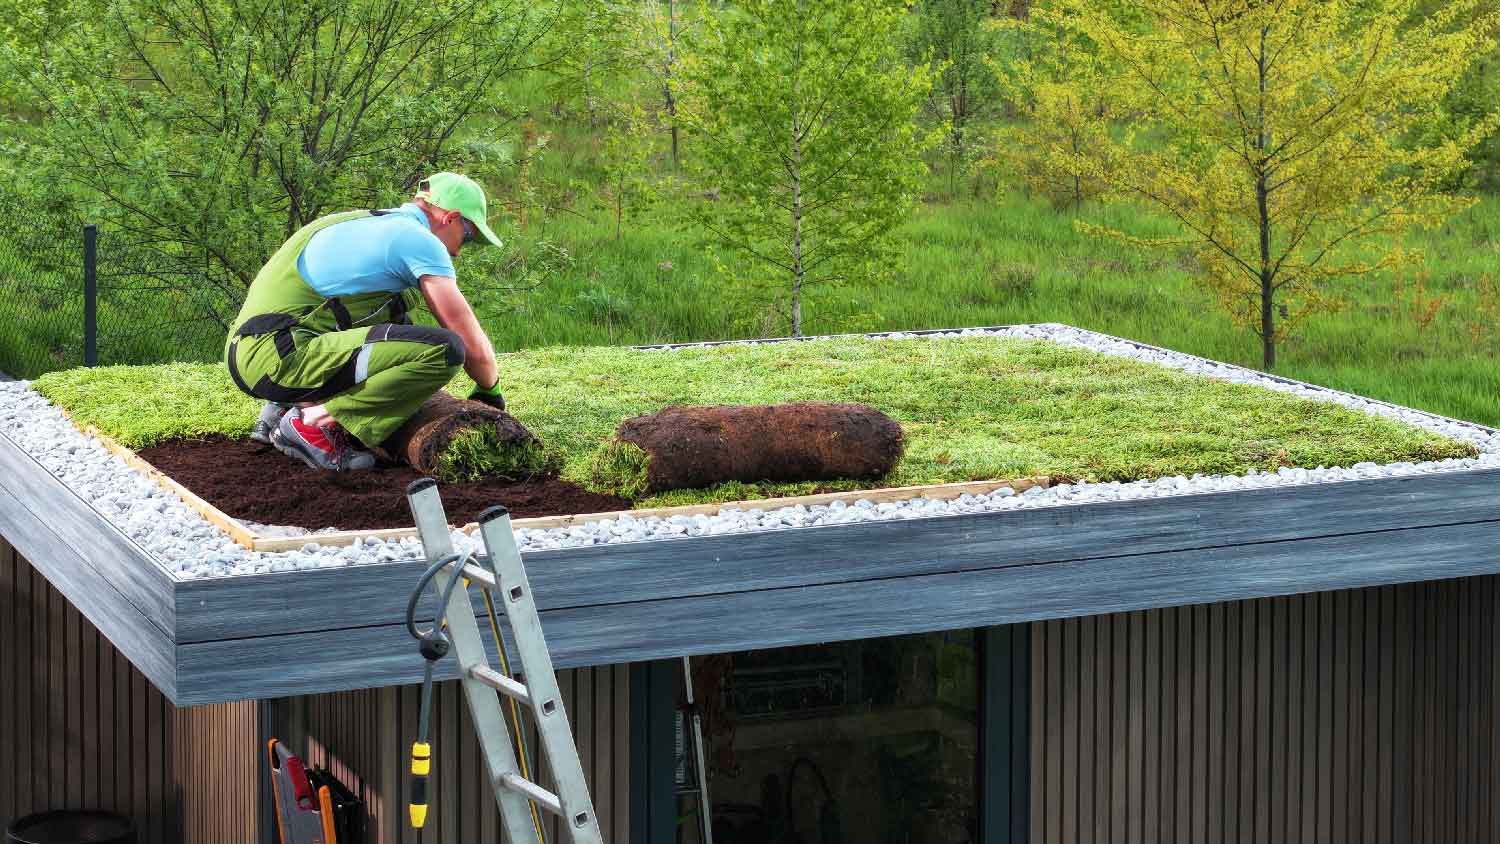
(301, 785)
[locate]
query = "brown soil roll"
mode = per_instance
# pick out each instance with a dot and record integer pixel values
(427, 434)
(798, 441)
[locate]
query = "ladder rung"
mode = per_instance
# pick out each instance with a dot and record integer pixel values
(544, 798)
(500, 683)
(481, 576)
(535, 683)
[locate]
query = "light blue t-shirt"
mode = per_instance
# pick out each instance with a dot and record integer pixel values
(387, 254)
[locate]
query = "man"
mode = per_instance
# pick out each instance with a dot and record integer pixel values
(324, 337)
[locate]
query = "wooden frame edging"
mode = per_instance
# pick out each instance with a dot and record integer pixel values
(237, 531)
(250, 539)
(941, 492)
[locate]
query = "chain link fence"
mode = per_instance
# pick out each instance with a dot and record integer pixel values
(74, 295)
(41, 293)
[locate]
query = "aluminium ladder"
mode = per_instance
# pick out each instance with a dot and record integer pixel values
(505, 578)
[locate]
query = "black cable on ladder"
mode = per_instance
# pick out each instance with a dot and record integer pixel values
(434, 645)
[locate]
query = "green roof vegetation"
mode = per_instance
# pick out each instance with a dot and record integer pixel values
(477, 454)
(971, 408)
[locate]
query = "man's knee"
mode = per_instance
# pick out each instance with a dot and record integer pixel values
(454, 351)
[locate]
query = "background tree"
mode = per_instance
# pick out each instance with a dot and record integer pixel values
(1279, 136)
(955, 36)
(214, 129)
(625, 185)
(1469, 102)
(661, 32)
(1054, 85)
(802, 115)
(590, 51)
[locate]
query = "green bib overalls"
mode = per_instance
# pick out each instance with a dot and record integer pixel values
(358, 355)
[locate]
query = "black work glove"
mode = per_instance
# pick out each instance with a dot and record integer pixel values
(489, 396)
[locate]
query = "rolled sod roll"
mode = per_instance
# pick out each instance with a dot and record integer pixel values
(462, 440)
(688, 447)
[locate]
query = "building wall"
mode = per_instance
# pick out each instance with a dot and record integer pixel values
(365, 738)
(1360, 716)
(1363, 715)
(81, 728)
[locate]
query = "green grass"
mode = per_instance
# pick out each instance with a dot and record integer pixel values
(142, 406)
(1003, 260)
(971, 409)
(1007, 260)
(621, 468)
(477, 454)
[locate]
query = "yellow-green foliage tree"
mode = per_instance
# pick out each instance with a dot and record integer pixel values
(1281, 136)
(1053, 81)
(1055, 116)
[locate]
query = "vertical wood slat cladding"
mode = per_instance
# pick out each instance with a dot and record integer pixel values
(364, 737)
(1351, 716)
(217, 758)
(80, 727)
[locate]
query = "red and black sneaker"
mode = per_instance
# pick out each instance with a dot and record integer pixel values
(319, 448)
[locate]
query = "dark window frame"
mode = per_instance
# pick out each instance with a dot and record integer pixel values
(1004, 661)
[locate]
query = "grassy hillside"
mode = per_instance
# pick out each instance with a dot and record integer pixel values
(1011, 260)
(1015, 259)
(968, 261)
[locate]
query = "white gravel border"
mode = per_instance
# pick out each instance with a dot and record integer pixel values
(189, 547)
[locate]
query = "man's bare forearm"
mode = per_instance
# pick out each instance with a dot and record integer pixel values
(479, 361)
(453, 313)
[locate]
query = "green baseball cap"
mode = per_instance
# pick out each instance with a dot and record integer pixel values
(456, 192)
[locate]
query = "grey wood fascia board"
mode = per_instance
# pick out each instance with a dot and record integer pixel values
(294, 663)
(291, 602)
(960, 600)
(137, 636)
(381, 655)
(114, 557)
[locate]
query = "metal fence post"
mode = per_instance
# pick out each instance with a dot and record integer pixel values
(90, 295)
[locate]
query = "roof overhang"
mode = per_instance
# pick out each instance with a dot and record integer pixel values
(269, 635)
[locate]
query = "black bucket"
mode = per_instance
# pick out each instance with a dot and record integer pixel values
(71, 827)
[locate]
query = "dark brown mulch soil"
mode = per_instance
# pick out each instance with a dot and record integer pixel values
(798, 441)
(255, 482)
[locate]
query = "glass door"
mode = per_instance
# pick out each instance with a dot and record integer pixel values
(868, 741)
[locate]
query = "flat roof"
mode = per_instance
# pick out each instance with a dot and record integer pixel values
(267, 635)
